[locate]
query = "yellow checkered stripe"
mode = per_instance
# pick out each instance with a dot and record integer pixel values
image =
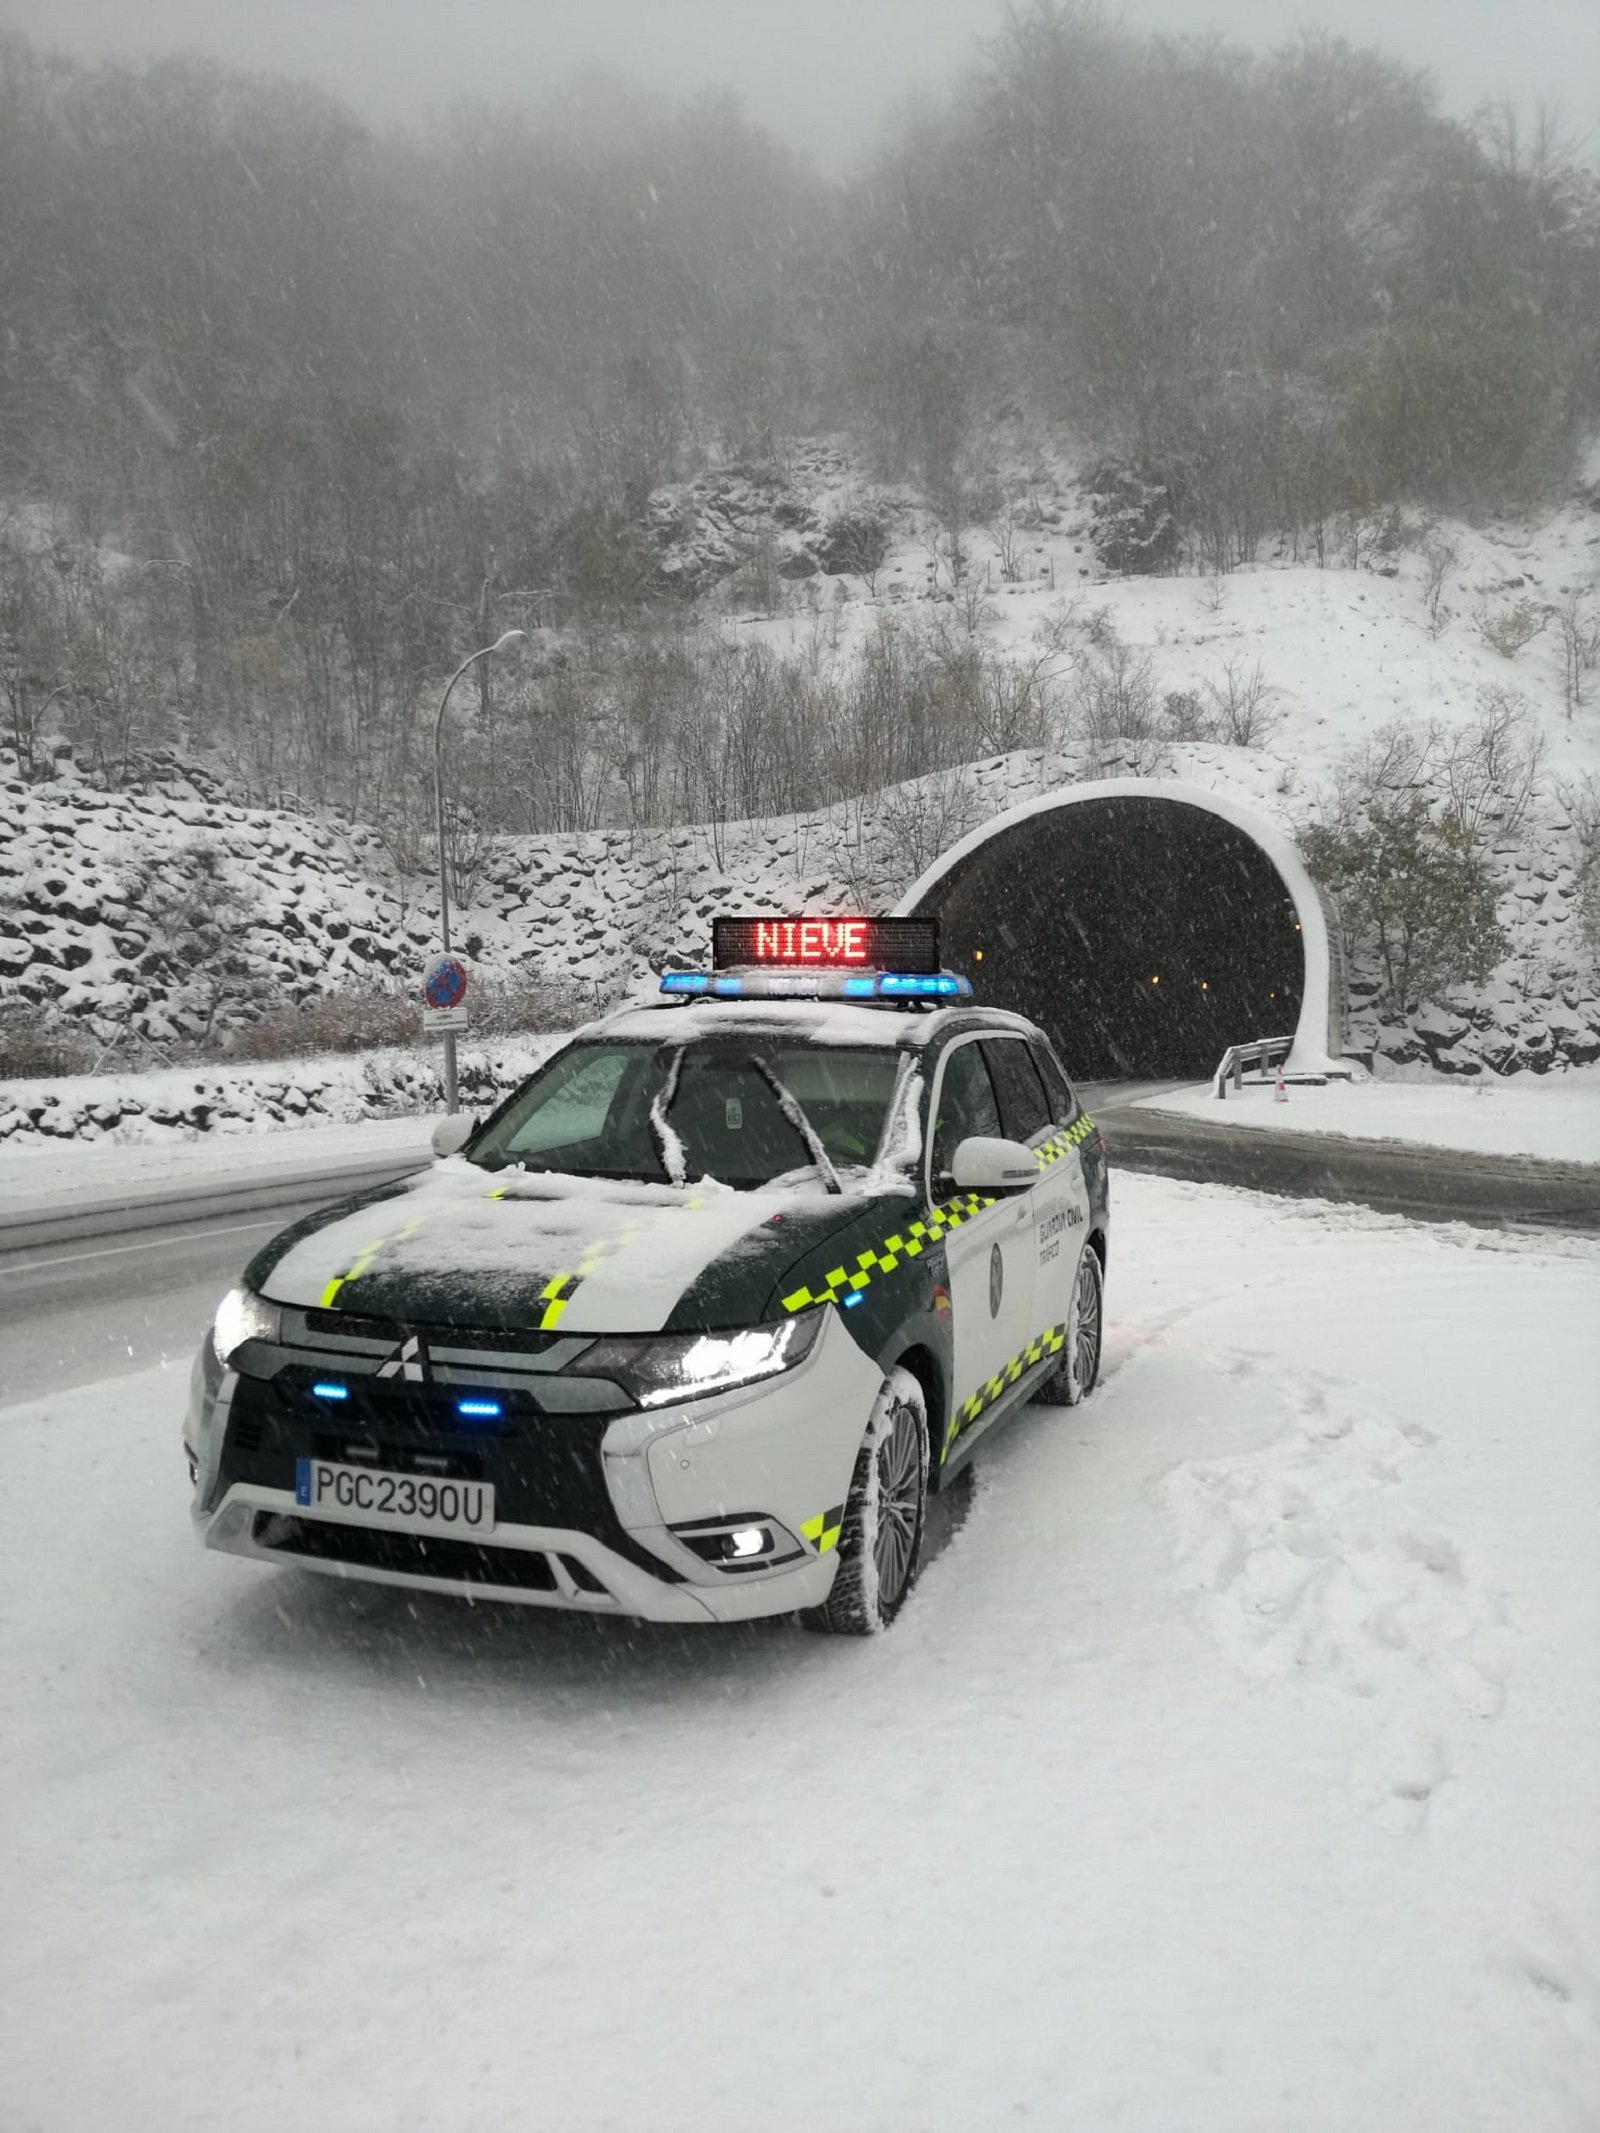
(560, 1289)
(1050, 1342)
(1063, 1143)
(364, 1258)
(823, 1530)
(910, 1243)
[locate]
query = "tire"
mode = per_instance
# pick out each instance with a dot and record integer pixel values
(1078, 1371)
(880, 1539)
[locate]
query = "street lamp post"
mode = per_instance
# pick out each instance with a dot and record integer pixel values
(472, 658)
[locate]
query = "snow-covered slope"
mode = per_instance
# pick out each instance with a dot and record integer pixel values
(1342, 651)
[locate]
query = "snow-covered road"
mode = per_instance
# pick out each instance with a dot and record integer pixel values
(1237, 1767)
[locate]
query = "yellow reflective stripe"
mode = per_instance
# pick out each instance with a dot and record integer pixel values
(554, 1301)
(885, 1257)
(1050, 1342)
(823, 1530)
(364, 1258)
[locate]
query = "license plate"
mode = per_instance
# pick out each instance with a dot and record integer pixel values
(411, 1503)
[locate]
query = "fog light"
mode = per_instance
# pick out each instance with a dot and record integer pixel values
(747, 1541)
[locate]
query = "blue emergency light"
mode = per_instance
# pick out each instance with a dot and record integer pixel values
(821, 959)
(818, 985)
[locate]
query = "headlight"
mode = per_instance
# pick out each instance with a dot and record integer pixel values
(243, 1316)
(656, 1368)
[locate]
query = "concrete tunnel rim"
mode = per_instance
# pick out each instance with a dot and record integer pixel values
(1313, 1050)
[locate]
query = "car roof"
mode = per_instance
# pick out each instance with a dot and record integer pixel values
(831, 1022)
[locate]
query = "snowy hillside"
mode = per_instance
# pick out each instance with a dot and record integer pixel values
(1405, 623)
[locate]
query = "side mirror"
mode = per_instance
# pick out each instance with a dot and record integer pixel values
(452, 1133)
(984, 1164)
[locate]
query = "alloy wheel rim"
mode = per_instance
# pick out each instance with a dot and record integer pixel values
(1088, 1314)
(899, 1464)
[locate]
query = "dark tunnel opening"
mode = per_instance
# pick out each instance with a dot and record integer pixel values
(1145, 935)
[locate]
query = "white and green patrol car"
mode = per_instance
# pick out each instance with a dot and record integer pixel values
(692, 1325)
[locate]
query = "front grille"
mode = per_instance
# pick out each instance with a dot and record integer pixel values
(409, 1554)
(545, 1470)
(391, 1333)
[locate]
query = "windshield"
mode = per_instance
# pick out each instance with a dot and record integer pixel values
(746, 1113)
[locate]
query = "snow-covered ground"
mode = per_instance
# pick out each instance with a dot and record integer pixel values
(74, 1171)
(1557, 1119)
(1237, 1767)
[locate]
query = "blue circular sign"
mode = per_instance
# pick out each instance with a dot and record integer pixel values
(444, 982)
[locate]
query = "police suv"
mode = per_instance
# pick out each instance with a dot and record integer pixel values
(692, 1325)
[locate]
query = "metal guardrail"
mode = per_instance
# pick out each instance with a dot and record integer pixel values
(1261, 1051)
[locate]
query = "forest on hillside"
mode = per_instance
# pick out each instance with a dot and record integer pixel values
(294, 414)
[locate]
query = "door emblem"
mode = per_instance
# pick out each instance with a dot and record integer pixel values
(997, 1280)
(410, 1361)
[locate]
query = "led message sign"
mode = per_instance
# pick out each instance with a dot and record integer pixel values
(909, 944)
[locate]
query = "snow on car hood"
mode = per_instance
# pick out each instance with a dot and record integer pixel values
(463, 1246)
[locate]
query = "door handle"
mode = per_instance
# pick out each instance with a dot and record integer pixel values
(1024, 1214)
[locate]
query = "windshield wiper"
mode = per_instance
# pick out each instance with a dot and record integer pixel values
(673, 1160)
(789, 1105)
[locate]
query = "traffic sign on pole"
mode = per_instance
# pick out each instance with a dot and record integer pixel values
(444, 982)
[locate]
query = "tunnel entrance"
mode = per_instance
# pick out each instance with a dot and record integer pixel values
(1144, 933)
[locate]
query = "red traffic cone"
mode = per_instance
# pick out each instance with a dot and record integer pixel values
(1280, 1092)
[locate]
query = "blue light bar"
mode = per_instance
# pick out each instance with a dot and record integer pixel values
(936, 985)
(479, 1410)
(789, 984)
(327, 1389)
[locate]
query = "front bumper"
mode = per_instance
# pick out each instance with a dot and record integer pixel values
(587, 1503)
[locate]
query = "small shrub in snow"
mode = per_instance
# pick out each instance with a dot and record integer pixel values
(37, 1044)
(1134, 529)
(1417, 899)
(1508, 630)
(1579, 625)
(198, 916)
(1581, 799)
(1439, 559)
(1243, 700)
(366, 1018)
(856, 539)
(1113, 696)
(1411, 899)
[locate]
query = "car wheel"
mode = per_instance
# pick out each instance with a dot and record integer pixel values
(880, 1539)
(1075, 1376)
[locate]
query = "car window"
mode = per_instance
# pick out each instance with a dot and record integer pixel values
(1056, 1085)
(583, 1085)
(1024, 1107)
(735, 1110)
(966, 1105)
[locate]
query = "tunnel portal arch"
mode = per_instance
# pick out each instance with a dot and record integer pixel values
(1145, 923)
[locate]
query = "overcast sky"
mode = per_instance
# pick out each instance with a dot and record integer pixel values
(821, 72)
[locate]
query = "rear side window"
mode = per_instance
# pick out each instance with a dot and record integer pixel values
(1024, 1107)
(966, 1105)
(1056, 1085)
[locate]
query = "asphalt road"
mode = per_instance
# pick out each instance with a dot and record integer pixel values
(103, 1289)
(1426, 1184)
(95, 1292)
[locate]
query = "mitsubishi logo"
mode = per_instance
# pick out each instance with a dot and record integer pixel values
(408, 1361)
